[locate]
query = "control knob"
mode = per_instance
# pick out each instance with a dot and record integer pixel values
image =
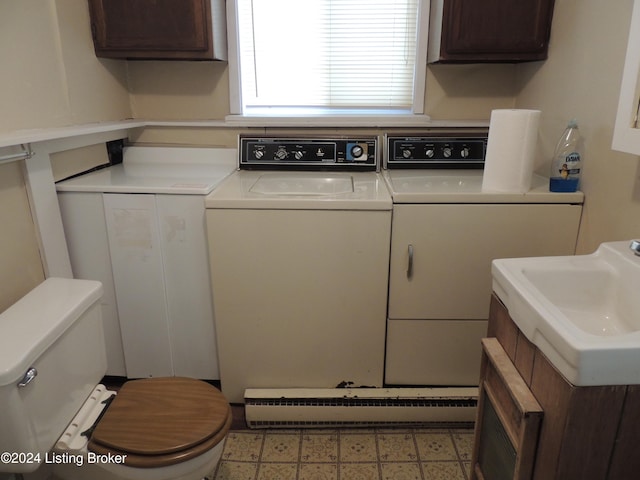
(281, 153)
(446, 151)
(406, 153)
(298, 154)
(430, 153)
(465, 152)
(357, 151)
(258, 154)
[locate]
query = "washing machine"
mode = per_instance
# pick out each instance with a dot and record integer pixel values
(139, 228)
(299, 250)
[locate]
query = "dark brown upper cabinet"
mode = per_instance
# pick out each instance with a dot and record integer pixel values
(489, 31)
(159, 29)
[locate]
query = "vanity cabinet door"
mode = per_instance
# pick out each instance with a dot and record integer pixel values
(159, 29)
(492, 31)
(509, 419)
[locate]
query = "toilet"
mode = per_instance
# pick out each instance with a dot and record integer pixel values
(55, 411)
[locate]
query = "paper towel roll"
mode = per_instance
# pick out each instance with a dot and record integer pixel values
(511, 146)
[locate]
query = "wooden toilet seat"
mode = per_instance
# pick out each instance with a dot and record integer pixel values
(157, 422)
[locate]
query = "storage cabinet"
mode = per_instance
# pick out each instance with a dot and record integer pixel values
(467, 31)
(440, 280)
(586, 433)
(159, 29)
(148, 251)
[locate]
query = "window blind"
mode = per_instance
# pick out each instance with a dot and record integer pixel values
(327, 54)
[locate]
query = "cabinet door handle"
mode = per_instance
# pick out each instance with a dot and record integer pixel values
(410, 262)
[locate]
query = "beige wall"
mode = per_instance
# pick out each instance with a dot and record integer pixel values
(581, 79)
(50, 75)
(52, 78)
(179, 90)
(20, 266)
(200, 90)
(469, 92)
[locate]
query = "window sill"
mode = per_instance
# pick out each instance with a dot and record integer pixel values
(328, 120)
(348, 121)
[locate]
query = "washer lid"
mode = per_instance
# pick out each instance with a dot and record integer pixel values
(156, 416)
(296, 190)
(277, 184)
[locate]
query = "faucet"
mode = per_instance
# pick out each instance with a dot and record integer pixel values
(635, 247)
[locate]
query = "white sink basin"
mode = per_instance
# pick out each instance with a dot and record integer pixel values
(582, 312)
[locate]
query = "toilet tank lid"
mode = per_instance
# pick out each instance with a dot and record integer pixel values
(37, 320)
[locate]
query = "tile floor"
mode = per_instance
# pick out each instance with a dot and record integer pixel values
(347, 454)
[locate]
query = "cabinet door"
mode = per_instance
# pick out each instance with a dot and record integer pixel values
(441, 253)
(509, 418)
(138, 274)
(171, 29)
(85, 229)
(183, 241)
(495, 30)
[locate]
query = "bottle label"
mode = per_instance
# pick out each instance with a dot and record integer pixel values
(571, 165)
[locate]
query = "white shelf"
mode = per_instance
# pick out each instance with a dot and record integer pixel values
(18, 137)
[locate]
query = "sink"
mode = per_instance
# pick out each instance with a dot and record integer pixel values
(302, 184)
(581, 311)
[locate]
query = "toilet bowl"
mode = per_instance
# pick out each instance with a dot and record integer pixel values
(55, 412)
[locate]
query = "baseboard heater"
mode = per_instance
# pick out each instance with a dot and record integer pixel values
(359, 407)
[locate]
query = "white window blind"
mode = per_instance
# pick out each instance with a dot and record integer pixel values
(327, 55)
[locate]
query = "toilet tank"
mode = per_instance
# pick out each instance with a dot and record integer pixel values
(56, 329)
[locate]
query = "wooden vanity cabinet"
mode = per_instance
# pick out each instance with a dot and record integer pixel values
(159, 29)
(586, 433)
(509, 419)
(468, 31)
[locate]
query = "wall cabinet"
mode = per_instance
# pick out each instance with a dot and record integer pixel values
(468, 31)
(159, 29)
(586, 433)
(440, 280)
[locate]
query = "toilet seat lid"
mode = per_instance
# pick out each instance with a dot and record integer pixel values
(156, 416)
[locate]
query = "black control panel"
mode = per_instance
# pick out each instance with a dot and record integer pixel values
(358, 153)
(436, 152)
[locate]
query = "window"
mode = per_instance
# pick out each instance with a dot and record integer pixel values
(328, 57)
